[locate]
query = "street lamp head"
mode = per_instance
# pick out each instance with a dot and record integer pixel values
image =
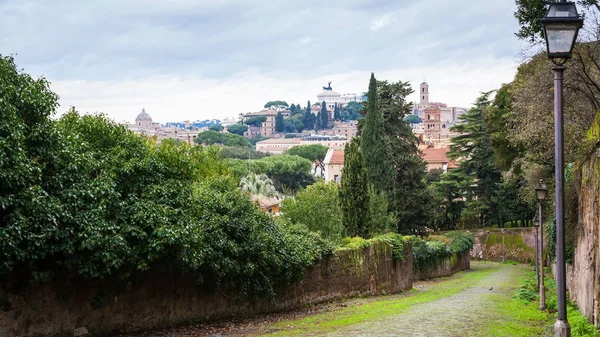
(561, 25)
(541, 190)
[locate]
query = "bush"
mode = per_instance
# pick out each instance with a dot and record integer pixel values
(461, 241)
(396, 241)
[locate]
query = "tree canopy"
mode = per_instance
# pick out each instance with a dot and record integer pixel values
(256, 120)
(237, 129)
(211, 137)
(276, 105)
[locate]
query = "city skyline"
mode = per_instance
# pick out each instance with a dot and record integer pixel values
(161, 56)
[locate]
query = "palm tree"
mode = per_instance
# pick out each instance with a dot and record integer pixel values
(258, 185)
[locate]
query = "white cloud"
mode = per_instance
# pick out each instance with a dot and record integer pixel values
(381, 22)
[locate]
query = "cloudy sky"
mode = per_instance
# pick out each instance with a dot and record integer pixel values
(201, 59)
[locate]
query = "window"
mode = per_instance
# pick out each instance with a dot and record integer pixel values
(336, 177)
(423, 97)
(423, 90)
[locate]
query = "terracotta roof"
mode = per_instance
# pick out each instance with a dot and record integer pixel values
(280, 141)
(337, 158)
(438, 156)
(268, 202)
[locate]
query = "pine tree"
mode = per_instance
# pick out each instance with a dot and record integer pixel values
(318, 121)
(279, 124)
(372, 144)
(292, 109)
(354, 192)
(309, 122)
(324, 116)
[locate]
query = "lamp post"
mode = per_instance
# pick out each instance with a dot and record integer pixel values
(537, 261)
(561, 26)
(540, 192)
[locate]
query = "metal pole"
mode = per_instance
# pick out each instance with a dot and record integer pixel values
(503, 249)
(537, 261)
(542, 287)
(561, 327)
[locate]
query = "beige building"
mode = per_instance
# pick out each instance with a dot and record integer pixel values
(334, 163)
(267, 128)
(342, 129)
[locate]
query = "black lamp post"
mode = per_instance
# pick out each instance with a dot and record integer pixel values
(540, 192)
(537, 260)
(561, 26)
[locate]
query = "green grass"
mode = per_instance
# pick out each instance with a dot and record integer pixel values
(521, 317)
(330, 321)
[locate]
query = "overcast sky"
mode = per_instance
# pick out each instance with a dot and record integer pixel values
(203, 59)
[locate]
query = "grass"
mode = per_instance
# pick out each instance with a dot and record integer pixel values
(521, 317)
(330, 321)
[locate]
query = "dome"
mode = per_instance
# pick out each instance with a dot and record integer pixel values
(143, 116)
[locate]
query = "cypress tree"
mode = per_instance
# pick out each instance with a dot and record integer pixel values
(308, 118)
(354, 192)
(324, 116)
(372, 144)
(279, 125)
(337, 114)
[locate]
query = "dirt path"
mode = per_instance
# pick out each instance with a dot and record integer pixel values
(461, 305)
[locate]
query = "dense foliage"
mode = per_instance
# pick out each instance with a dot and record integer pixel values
(315, 153)
(292, 172)
(237, 129)
(354, 196)
(317, 207)
(435, 247)
(212, 137)
(255, 121)
(87, 195)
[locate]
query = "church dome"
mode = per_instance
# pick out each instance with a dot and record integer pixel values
(143, 116)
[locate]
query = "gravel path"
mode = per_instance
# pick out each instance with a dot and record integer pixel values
(457, 315)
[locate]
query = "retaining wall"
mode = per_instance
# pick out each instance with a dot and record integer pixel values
(441, 267)
(149, 301)
(519, 244)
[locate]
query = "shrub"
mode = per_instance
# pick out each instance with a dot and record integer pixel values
(461, 241)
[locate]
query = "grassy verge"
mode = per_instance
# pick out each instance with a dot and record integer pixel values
(396, 304)
(521, 317)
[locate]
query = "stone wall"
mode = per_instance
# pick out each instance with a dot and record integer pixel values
(519, 244)
(156, 300)
(444, 266)
(583, 276)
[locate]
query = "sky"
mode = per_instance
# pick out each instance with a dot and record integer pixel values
(206, 59)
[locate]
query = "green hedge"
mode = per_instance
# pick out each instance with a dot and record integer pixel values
(436, 247)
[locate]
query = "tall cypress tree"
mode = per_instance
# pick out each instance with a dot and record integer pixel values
(354, 192)
(324, 116)
(372, 144)
(279, 124)
(308, 118)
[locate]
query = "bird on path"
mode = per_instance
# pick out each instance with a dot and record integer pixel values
(491, 288)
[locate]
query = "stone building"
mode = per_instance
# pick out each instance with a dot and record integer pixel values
(145, 126)
(267, 128)
(432, 124)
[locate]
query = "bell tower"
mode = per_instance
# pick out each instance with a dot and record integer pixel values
(424, 93)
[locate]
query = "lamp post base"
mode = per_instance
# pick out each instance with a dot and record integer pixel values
(562, 329)
(542, 297)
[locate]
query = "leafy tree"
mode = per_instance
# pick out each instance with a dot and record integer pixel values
(255, 121)
(279, 123)
(298, 122)
(413, 119)
(289, 126)
(237, 129)
(337, 114)
(240, 152)
(258, 185)
(213, 137)
(315, 153)
(276, 105)
(352, 111)
(324, 116)
(217, 127)
(354, 193)
(318, 208)
(286, 171)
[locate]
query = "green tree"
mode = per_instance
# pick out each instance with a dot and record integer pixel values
(318, 208)
(217, 127)
(354, 193)
(279, 123)
(315, 153)
(276, 105)
(372, 145)
(473, 146)
(337, 114)
(228, 139)
(309, 118)
(255, 121)
(413, 119)
(352, 111)
(237, 129)
(324, 124)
